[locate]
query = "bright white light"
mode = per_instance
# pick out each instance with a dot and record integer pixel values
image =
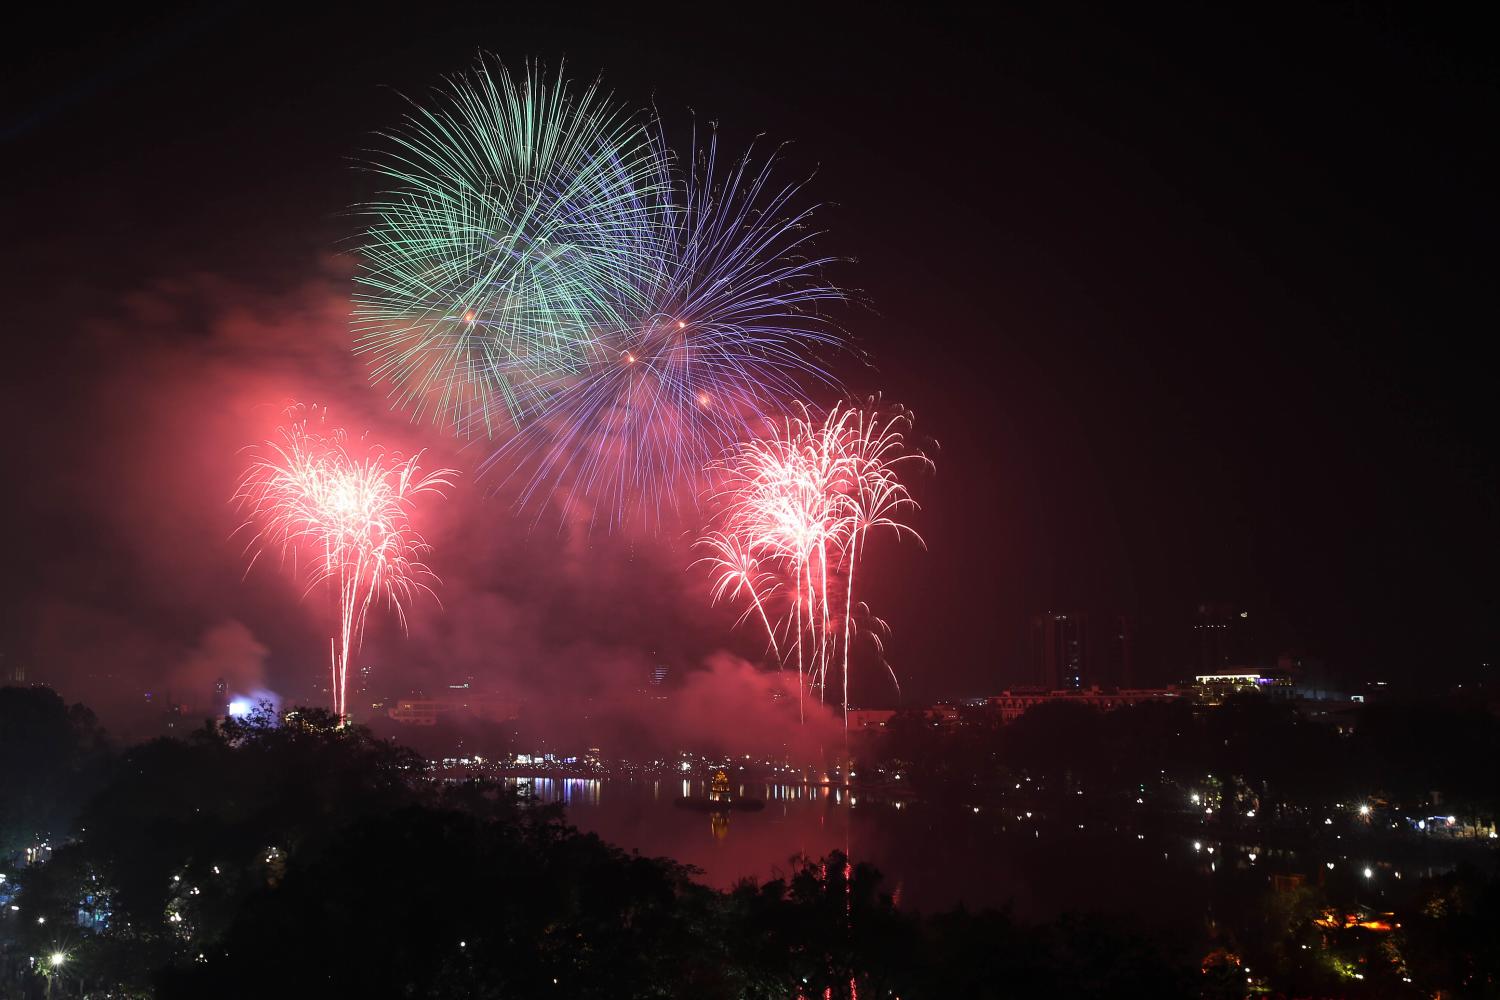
(1250, 813)
(57, 958)
(1364, 810)
(1252, 856)
(239, 708)
(1328, 822)
(1369, 873)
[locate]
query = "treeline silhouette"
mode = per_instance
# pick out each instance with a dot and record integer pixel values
(289, 857)
(264, 857)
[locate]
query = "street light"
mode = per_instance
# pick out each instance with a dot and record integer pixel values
(55, 962)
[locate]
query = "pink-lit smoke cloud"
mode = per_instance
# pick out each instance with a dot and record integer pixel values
(136, 586)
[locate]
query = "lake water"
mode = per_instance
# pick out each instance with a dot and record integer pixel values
(933, 856)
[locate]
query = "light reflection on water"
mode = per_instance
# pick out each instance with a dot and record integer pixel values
(568, 791)
(934, 856)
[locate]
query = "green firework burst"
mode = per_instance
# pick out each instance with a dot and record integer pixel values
(519, 224)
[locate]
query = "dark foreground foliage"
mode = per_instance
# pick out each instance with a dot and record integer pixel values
(493, 908)
(295, 859)
(291, 858)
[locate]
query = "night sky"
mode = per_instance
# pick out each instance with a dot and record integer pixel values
(1195, 302)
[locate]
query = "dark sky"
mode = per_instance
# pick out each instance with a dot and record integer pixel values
(1195, 300)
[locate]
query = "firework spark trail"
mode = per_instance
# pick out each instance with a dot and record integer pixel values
(795, 511)
(340, 513)
(518, 222)
(736, 571)
(731, 330)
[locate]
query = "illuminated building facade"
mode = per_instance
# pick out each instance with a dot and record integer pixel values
(1014, 704)
(1214, 688)
(430, 711)
(869, 718)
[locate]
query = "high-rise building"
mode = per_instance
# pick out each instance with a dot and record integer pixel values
(658, 675)
(220, 704)
(1221, 637)
(1119, 654)
(1059, 650)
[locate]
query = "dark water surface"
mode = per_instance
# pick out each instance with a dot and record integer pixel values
(933, 856)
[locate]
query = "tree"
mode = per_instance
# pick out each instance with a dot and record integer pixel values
(51, 756)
